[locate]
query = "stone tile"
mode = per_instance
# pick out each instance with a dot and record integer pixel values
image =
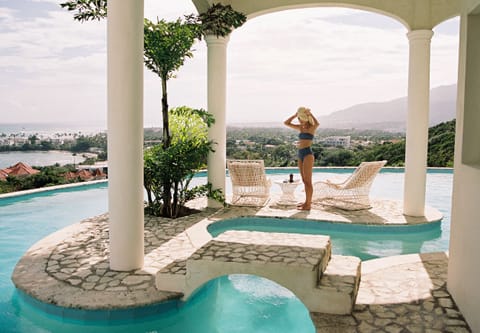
(395, 294)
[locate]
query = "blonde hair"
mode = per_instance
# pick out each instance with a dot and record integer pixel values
(303, 115)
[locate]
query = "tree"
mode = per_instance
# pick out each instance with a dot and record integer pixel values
(87, 9)
(167, 45)
(176, 165)
(33, 139)
(219, 20)
(441, 144)
(82, 144)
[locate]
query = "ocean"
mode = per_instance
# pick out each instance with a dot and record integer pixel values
(51, 128)
(38, 158)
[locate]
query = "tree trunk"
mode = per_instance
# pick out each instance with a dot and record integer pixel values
(149, 195)
(167, 196)
(175, 206)
(166, 126)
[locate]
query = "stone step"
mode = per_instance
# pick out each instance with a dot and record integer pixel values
(172, 277)
(338, 286)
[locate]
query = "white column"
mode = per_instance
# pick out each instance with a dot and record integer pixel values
(417, 122)
(217, 89)
(125, 133)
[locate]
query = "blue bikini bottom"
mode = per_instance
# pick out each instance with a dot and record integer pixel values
(304, 152)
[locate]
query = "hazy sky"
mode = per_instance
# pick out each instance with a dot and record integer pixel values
(53, 69)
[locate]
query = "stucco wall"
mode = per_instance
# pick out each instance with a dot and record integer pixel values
(464, 263)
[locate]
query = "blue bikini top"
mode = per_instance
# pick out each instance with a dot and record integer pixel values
(306, 136)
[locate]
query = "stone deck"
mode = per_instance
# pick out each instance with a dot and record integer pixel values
(70, 269)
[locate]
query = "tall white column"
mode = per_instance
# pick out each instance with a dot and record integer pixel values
(217, 89)
(417, 122)
(125, 133)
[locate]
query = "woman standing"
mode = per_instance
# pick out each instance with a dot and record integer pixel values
(307, 126)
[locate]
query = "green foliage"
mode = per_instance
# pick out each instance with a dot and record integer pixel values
(336, 157)
(46, 145)
(249, 143)
(441, 144)
(168, 171)
(189, 124)
(218, 20)
(89, 161)
(394, 153)
(86, 10)
(48, 176)
(83, 143)
(167, 45)
(282, 155)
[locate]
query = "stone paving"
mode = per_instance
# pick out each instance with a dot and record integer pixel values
(397, 294)
(267, 247)
(400, 294)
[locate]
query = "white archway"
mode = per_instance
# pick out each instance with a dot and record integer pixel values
(418, 105)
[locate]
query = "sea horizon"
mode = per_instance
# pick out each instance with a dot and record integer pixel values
(67, 127)
(51, 128)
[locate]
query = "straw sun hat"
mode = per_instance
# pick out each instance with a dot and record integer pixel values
(303, 115)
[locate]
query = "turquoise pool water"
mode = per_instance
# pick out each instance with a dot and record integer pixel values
(363, 241)
(229, 304)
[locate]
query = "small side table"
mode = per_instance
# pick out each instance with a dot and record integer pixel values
(288, 192)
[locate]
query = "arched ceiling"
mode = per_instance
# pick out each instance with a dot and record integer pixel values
(413, 14)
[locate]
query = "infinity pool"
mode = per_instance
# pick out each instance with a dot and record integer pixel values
(235, 303)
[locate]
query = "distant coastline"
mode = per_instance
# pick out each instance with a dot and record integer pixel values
(50, 128)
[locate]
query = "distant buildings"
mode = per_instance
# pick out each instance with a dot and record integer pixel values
(21, 138)
(337, 141)
(18, 170)
(84, 173)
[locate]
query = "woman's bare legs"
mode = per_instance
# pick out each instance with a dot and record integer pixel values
(300, 170)
(306, 170)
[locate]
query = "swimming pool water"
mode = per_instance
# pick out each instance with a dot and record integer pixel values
(229, 304)
(363, 241)
(264, 307)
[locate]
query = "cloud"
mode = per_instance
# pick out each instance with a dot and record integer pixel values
(286, 59)
(365, 20)
(54, 68)
(450, 27)
(167, 10)
(50, 65)
(28, 9)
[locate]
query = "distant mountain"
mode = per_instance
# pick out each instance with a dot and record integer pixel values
(392, 115)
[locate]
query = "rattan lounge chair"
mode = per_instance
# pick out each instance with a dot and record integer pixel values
(351, 194)
(250, 185)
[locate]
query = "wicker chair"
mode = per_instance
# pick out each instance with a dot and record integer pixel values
(351, 194)
(250, 185)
